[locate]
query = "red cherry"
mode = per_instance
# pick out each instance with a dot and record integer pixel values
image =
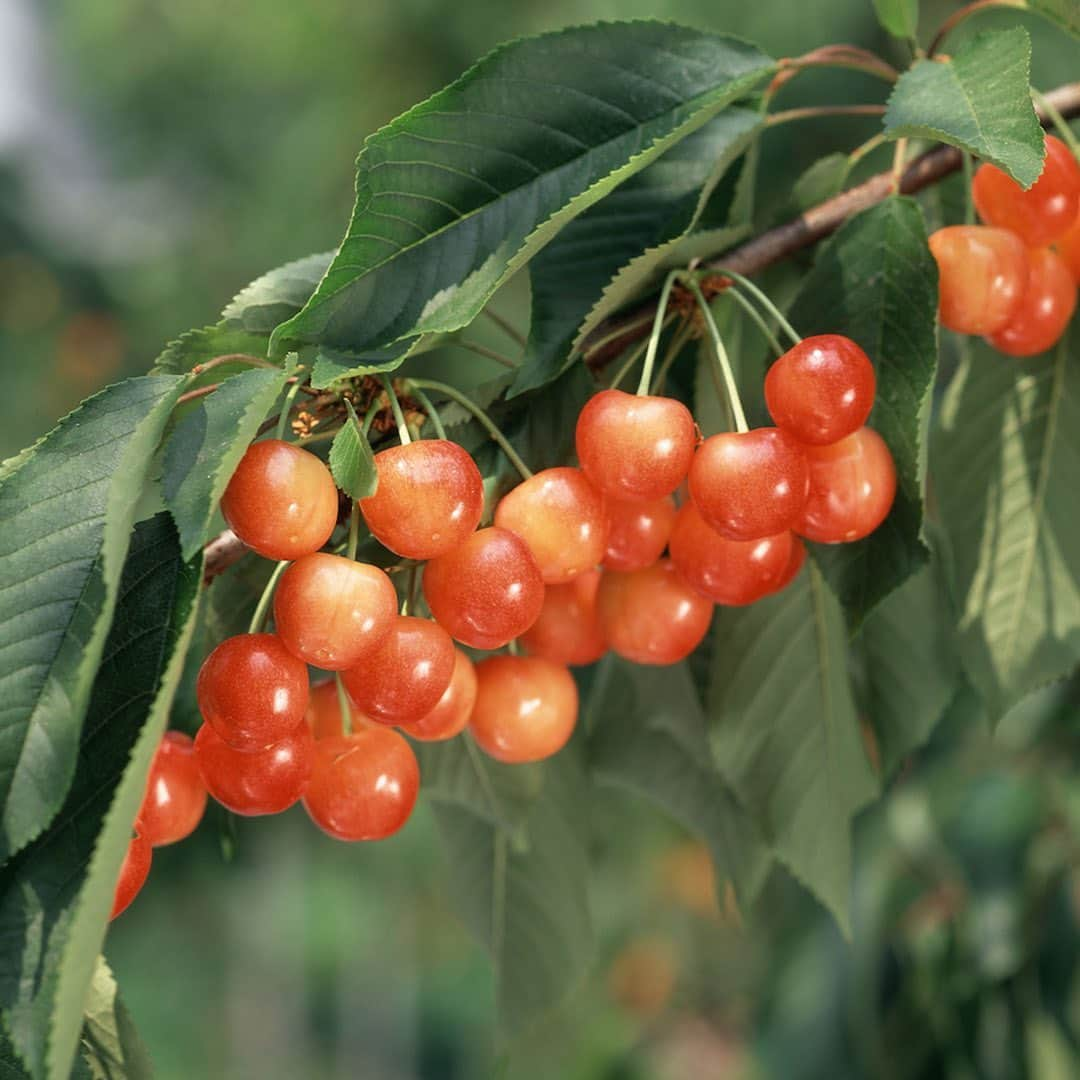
(450, 716)
(526, 708)
(1045, 308)
(652, 616)
(795, 564)
(1043, 212)
(260, 781)
(1068, 247)
(639, 532)
(487, 591)
(852, 485)
(635, 447)
(323, 713)
(732, 572)
(134, 871)
(281, 501)
(430, 497)
(568, 630)
(749, 484)
(562, 518)
(331, 612)
(363, 786)
(253, 690)
(403, 679)
(982, 275)
(175, 793)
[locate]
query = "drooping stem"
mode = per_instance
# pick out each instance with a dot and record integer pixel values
(762, 299)
(757, 318)
(263, 606)
(658, 327)
(899, 154)
(433, 413)
(354, 531)
(198, 392)
(682, 335)
(506, 326)
(721, 357)
(483, 350)
(344, 706)
(865, 148)
(232, 358)
(286, 408)
(811, 112)
(631, 360)
(395, 407)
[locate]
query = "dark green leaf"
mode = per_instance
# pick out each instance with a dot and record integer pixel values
(110, 1046)
(1066, 13)
(351, 460)
(277, 295)
(541, 424)
(199, 346)
(899, 17)
(332, 365)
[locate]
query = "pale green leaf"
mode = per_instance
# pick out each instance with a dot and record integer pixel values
(1066, 13)
(899, 17)
(110, 1046)
(277, 295)
(352, 462)
(1050, 1053)
(821, 181)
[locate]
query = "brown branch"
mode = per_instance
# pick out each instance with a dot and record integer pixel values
(221, 553)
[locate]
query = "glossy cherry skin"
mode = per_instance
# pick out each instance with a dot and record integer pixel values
(852, 485)
(638, 532)
(257, 782)
(1042, 213)
(403, 679)
(1045, 309)
(331, 612)
(652, 616)
(281, 501)
(795, 563)
(568, 630)
(430, 497)
(750, 484)
(175, 796)
(252, 690)
(363, 786)
(1068, 247)
(635, 447)
(450, 716)
(134, 871)
(731, 572)
(526, 708)
(487, 591)
(982, 275)
(323, 713)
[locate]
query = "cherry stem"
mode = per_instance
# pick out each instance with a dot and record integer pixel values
(898, 164)
(758, 319)
(198, 392)
(720, 353)
(354, 531)
(513, 648)
(433, 413)
(344, 706)
(232, 358)
(483, 350)
(263, 605)
(506, 327)
(395, 407)
(1062, 128)
(682, 335)
(414, 581)
(657, 330)
(811, 112)
(762, 299)
(865, 148)
(286, 408)
(957, 17)
(631, 360)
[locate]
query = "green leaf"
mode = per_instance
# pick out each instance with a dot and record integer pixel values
(207, 343)
(541, 424)
(332, 366)
(352, 461)
(277, 295)
(980, 100)
(1050, 1054)
(876, 281)
(899, 17)
(68, 505)
(1065, 13)
(110, 1046)
(466, 187)
(824, 179)
(785, 734)
(1007, 477)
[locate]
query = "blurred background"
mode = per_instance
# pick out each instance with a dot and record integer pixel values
(154, 158)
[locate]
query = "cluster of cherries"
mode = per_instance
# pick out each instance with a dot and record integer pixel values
(1003, 280)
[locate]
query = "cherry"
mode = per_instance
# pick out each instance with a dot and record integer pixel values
(568, 630)
(732, 572)
(331, 612)
(982, 275)
(252, 690)
(1068, 247)
(260, 781)
(134, 871)
(526, 708)
(281, 501)
(1045, 308)
(852, 484)
(635, 447)
(323, 713)
(450, 716)
(562, 518)
(652, 616)
(363, 786)
(175, 796)
(749, 484)
(430, 497)
(795, 564)
(639, 532)
(487, 591)
(404, 677)
(1043, 212)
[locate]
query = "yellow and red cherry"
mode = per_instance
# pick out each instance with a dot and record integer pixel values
(638, 532)
(323, 713)
(1045, 309)
(526, 708)
(175, 796)
(451, 715)
(1068, 247)
(134, 871)
(281, 501)
(568, 630)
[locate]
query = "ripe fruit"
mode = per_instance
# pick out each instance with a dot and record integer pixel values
(404, 677)
(982, 272)
(635, 447)
(487, 591)
(331, 612)
(175, 796)
(652, 616)
(821, 389)
(638, 532)
(568, 630)
(561, 516)
(733, 572)
(281, 501)
(1043, 212)
(430, 497)
(260, 781)
(252, 690)
(852, 484)
(795, 564)
(526, 708)
(363, 786)
(1045, 308)
(1068, 247)
(749, 484)
(323, 713)
(450, 716)
(134, 871)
